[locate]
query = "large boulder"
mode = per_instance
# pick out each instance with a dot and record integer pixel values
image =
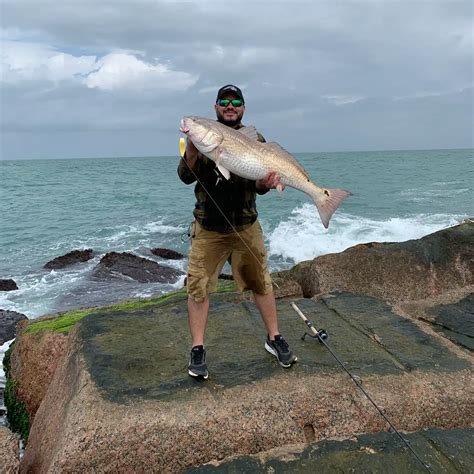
(394, 272)
(137, 268)
(33, 363)
(121, 399)
(76, 256)
(8, 322)
(8, 284)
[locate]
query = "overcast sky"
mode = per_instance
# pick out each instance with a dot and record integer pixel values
(85, 78)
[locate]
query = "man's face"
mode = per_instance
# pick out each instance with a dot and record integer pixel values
(229, 115)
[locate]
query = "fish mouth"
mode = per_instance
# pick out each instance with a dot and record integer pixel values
(183, 127)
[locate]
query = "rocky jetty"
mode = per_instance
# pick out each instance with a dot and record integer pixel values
(8, 322)
(137, 268)
(117, 397)
(71, 258)
(167, 253)
(8, 284)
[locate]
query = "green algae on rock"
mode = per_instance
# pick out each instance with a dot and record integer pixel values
(17, 413)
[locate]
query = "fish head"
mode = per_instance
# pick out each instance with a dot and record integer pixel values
(202, 132)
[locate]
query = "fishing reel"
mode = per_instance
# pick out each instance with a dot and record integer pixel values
(320, 335)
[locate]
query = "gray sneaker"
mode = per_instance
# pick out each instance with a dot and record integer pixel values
(197, 366)
(281, 350)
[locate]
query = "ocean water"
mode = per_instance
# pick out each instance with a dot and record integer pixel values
(50, 207)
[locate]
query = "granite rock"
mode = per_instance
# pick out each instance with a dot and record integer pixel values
(9, 451)
(403, 271)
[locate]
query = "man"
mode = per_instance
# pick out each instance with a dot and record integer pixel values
(226, 228)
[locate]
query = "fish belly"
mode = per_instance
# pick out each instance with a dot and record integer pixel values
(249, 167)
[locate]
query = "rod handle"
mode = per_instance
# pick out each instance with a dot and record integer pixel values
(305, 319)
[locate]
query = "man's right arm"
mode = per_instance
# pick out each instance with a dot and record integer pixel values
(189, 160)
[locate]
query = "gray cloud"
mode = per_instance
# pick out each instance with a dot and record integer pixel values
(316, 75)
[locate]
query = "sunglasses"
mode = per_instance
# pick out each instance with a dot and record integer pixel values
(226, 102)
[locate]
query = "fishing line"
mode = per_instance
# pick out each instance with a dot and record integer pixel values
(320, 337)
(320, 334)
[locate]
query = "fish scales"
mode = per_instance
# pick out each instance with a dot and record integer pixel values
(239, 152)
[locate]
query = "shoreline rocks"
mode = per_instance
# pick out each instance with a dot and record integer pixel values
(8, 322)
(394, 272)
(140, 269)
(378, 302)
(71, 258)
(8, 284)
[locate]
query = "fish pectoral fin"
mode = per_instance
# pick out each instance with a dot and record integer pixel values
(224, 171)
(249, 132)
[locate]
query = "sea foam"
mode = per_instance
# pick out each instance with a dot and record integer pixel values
(302, 236)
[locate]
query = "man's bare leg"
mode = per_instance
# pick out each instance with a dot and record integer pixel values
(267, 306)
(197, 318)
(278, 347)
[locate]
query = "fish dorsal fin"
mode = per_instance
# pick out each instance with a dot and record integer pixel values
(249, 132)
(286, 155)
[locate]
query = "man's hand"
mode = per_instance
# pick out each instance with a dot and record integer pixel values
(270, 181)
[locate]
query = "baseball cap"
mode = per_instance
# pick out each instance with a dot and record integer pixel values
(230, 88)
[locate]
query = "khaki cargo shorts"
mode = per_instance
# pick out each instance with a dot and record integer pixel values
(209, 252)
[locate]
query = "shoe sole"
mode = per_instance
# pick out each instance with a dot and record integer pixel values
(192, 374)
(273, 352)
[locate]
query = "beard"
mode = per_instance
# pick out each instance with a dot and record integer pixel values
(229, 123)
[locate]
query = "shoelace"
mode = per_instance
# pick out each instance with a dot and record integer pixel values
(197, 356)
(282, 344)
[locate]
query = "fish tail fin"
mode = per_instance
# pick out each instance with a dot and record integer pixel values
(328, 201)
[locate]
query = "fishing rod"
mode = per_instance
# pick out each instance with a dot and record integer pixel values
(321, 336)
(318, 334)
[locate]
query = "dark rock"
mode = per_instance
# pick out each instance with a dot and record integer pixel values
(8, 322)
(8, 285)
(167, 253)
(225, 276)
(456, 321)
(70, 258)
(138, 268)
(442, 450)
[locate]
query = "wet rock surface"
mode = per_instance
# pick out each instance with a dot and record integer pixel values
(445, 451)
(167, 253)
(71, 258)
(119, 397)
(8, 322)
(362, 330)
(456, 321)
(8, 284)
(128, 367)
(115, 264)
